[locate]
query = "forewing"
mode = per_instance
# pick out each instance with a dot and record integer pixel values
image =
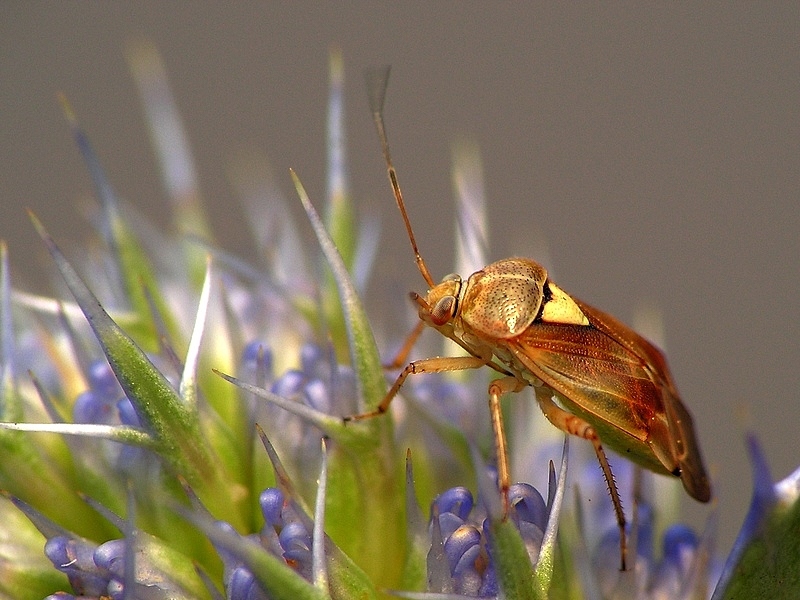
(682, 439)
(614, 374)
(589, 368)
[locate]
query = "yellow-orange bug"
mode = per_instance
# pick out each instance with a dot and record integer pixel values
(593, 376)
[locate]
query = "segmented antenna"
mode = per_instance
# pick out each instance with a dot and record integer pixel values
(377, 80)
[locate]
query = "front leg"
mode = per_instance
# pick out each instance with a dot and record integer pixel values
(402, 354)
(426, 365)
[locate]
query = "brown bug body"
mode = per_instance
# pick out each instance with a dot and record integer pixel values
(611, 386)
(602, 371)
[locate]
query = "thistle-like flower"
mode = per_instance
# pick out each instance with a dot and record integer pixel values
(174, 430)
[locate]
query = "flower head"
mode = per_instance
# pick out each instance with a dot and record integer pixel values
(131, 457)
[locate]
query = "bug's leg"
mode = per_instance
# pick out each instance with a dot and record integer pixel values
(497, 388)
(437, 364)
(573, 425)
(402, 355)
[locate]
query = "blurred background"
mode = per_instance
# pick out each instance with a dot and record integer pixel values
(655, 149)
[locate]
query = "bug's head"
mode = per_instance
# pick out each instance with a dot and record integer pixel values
(442, 302)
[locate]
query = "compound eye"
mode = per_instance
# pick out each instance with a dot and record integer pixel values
(444, 310)
(451, 277)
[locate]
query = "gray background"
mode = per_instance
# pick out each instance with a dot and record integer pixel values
(654, 147)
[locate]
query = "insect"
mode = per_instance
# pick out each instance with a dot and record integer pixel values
(593, 377)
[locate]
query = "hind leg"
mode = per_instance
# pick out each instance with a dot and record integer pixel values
(573, 425)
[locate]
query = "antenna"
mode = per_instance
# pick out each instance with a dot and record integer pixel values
(377, 81)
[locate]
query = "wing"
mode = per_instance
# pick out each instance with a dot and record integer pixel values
(682, 440)
(613, 378)
(591, 370)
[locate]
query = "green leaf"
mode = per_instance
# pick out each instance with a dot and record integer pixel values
(159, 560)
(133, 264)
(548, 553)
(10, 404)
(339, 217)
(170, 141)
(28, 573)
(31, 467)
(765, 561)
(418, 540)
(333, 569)
(365, 480)
(271, 572)
(512, 563)
(363, 349)
(173, 425)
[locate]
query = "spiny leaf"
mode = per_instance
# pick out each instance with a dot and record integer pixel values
(765, 561)
(133, 264)
(173, 425)
(374, 472)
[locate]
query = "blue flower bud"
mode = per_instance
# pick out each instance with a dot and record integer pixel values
(290, 384)
(314, 361)
(272, 502)
(457, 500)
(528, 504)
(679, 541)
(243, 586)
(101, 378)
(75, 558)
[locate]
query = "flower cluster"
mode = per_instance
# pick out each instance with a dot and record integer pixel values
(182, 435)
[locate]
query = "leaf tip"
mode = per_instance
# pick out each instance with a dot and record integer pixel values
(66, 108)
(37, 224)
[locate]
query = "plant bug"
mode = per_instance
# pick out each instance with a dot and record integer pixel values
(593, 377)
